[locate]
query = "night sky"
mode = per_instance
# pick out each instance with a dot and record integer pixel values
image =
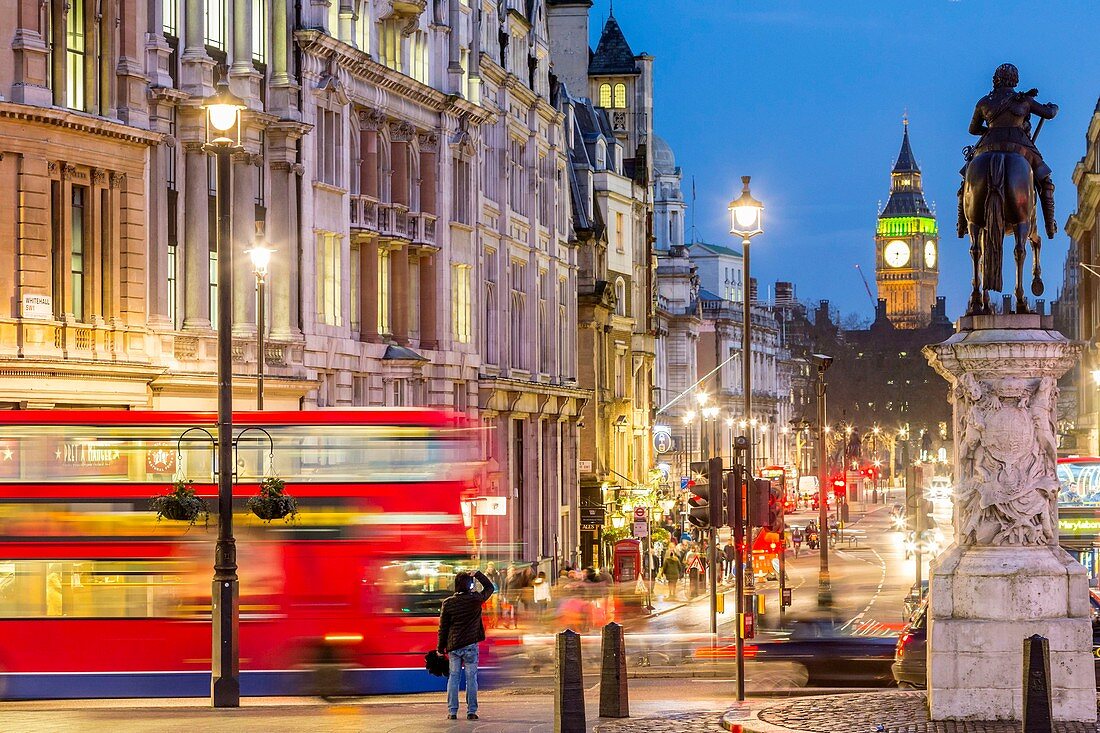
(808, 97)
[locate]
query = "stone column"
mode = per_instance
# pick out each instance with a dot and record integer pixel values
(1006, 578)
(399, 289)
(429, 302)
(280, 236)
(400, 136)
(368, 289)
(196, 240)
(429, 174)
(243, 230)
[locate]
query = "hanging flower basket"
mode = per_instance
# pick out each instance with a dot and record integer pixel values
(180, 504)
(273, 502)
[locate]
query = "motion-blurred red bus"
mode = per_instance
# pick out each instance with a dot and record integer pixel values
(100, 599)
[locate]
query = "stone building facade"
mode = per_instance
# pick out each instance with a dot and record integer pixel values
(1083, 227)
(405, 160)
(608, 108)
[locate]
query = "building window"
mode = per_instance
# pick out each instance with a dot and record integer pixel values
(518, 315)
(362, 39)
(620, 232)
(605, 96)
(169, 24)
(216, 24)
(620, 296)
(259, 31)
(334, 18)
(76, 268)
(353, 292)
(418, 57)
(491, 355)
(213, 275)
(330, 145)
(74, 54)
(620, 96)
(398, 392)
(461, 191)
(172, 284)
(390, 44)
(383, 290)
(464, 62)
(329, 272)
(620, 374)
(519, 193)
(461, 307)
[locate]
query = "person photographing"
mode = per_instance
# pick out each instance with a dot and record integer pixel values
(460, 631)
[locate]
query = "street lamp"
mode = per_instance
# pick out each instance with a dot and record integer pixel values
(746, 221)
(223, 134)
(261, 259)
(824, 587)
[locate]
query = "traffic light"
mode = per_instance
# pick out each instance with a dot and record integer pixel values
(840, 488)
(760, 501)
(705, 504)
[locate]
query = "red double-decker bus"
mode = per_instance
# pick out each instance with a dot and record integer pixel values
(100, 599)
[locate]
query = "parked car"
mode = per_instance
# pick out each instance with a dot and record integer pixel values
(910, 667)
(910, 655)
(914, 599)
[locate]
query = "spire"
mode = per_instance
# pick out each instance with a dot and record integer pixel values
(613, 55)
(906, 162)
(906, 191)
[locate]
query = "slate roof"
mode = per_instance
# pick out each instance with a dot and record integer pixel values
(906, 162)
(613, 54)
(694, 248)
(908, 201)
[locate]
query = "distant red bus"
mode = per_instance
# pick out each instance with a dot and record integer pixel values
(99, 599)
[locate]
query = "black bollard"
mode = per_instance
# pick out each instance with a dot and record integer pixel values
(613, 696)
(1037, 714)
(569, 692)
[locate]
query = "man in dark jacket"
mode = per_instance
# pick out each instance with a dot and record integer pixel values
(460, 630)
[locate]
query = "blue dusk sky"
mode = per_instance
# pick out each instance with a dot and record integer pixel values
(807, 97)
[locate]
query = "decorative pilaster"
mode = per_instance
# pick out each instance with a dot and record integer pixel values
(196, 240)
(243, 232)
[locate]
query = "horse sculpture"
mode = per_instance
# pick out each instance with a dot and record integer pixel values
(999, 197)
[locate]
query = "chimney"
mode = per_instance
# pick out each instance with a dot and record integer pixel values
(567, 24)
(1006, 304)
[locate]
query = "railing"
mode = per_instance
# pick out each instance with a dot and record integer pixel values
(392, 220)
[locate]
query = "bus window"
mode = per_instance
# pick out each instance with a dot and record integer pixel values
(416, 587)
(89, 588)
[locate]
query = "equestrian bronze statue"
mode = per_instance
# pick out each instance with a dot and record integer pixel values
(1003, 175)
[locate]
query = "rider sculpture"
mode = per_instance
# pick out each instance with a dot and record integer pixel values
(1002, 175)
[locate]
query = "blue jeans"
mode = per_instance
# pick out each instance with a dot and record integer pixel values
(463, 657)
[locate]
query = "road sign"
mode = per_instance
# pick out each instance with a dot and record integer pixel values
(641, 529)
(639, 514)
(662, 441)
(684, 481)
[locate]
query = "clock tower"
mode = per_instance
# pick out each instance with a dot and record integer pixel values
(907, 246)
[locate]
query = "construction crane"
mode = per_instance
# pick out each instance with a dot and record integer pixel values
(874, 304)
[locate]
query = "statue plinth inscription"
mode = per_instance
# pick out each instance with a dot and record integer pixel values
(1006, 578)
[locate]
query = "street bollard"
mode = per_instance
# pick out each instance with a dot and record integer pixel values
(613, 696)
(569, 691)
(1037, 714)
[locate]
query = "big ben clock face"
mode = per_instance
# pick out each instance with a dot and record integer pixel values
(930, 253)
(897, 253)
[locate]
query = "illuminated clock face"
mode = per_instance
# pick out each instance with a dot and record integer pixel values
(897, 253)
(930, 253)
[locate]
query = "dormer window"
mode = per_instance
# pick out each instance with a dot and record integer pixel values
(620, 96)
(605, 96)
(601, 155)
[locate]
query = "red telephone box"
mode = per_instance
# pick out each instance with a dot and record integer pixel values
(627, 560)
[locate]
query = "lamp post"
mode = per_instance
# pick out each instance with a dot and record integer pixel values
(824, 587)
(261, 258)
(223, 117)
(746, 221)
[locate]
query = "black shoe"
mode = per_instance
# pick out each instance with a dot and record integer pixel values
(471, 716)
(452, 716)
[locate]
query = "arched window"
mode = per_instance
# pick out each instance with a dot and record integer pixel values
(605, 95)
(620, 96)
(620, 297)
(517, 331)
(601, 155)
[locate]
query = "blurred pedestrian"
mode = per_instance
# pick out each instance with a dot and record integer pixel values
(541, 593)
(730, 555)
(460, 631)
(672, 569)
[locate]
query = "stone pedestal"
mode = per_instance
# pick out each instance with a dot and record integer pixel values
(1006, 578)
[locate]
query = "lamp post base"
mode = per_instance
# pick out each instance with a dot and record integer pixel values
(225, 682)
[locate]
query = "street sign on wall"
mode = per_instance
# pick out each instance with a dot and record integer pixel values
(662, 440)
(641, 529)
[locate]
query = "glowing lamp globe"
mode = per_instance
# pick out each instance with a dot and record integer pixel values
(746, 213)
(223, 111)
(261, 258)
